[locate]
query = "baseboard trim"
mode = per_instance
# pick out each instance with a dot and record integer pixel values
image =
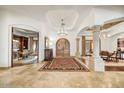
(3, 68)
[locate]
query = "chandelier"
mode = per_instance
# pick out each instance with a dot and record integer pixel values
(62, 30)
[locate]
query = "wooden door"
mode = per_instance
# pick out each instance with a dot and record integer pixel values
(62, 48)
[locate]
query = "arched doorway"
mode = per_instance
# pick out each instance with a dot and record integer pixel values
(62, 48)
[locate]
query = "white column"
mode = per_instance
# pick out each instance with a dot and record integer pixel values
(77, 47)
(83, 46)
(98, 62)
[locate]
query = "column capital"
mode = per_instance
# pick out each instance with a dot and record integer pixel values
(78, 39)
(96, 28)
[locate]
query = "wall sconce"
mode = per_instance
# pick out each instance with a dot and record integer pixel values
(108, 35)
(104, 35)
(50, 43)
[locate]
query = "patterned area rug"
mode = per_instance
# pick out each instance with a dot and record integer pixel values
(63, 64)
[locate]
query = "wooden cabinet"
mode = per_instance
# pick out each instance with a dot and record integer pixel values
(48, 54)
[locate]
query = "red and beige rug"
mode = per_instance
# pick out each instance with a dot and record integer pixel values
(63, 64)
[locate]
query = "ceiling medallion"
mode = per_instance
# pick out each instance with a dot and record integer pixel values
(62, 30)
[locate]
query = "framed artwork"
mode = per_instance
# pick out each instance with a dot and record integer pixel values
(120, 42)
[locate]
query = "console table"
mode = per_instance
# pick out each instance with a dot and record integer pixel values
(48, 54)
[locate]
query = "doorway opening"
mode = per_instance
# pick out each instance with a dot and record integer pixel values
(25, 47)
(89, 47)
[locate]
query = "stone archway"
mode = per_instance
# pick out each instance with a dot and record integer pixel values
(62, 48)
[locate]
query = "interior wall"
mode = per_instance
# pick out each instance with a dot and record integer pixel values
(8, 20)
(104, 42)
(3, 41)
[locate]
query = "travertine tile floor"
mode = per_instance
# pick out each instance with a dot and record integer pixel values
(29, 76)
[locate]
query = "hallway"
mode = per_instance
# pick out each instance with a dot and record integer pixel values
(92, 35)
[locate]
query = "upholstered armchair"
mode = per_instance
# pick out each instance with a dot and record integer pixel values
(105, 55)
